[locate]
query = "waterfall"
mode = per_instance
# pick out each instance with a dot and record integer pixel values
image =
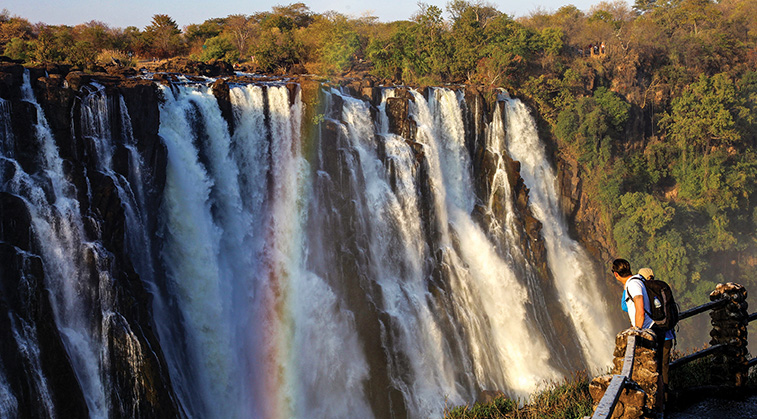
(469, 329)
(57, 222)
(485, 285)
(25, 334)
(193, 245)
(502, 228)
(574, 275)
(263, 332)
(335, 273)
(6, 134)
(8, 402)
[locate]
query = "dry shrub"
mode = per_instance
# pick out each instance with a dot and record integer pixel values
(112, 56)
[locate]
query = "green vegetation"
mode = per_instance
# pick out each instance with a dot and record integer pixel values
(660, 114)
(568, 400)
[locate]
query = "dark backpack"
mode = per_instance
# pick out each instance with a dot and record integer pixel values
(662, 305)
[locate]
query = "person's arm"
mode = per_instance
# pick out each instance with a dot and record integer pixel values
(638, 302)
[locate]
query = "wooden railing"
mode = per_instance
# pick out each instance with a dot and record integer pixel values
(611, 396)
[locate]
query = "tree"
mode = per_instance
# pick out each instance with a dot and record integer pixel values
(219, 47)
(97, 34)
(331, 43)
(48, 46)
(18, 49)
(164, 36)
(196, 35)
(14, 27)
(468, 35)
(298, 13)
(137, 41)
(240, 29)
(704, 114)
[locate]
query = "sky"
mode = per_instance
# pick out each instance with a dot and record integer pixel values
(123, 13)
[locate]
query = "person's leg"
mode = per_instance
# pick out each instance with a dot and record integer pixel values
(666, 347)
(662, 368)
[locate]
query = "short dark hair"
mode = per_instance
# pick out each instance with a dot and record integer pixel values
(622, 267)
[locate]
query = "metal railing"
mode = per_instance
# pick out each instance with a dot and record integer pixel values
(712, 349)
(619, 382)
(707, 351)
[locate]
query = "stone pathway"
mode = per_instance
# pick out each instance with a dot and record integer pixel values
(719, 409)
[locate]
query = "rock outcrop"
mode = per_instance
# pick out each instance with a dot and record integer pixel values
(213, 68)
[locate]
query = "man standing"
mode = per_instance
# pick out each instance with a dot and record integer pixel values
(636, 303)
(670, 335)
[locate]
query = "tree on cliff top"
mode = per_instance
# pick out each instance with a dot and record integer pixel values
(164, 36)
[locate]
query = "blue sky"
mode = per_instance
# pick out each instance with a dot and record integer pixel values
(123, 13)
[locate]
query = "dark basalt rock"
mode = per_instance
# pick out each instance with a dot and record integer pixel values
(15, 223)
(57, 101)
(398, 113)
(141, 392)
(24, 300)
(76, 79)
(11, 77)
(25, 145)
(148, 385)
(213, 68)
(121, 72)
(345, 259)
(221, 91)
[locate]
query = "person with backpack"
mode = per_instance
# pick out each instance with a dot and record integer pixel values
(670, 334)
(636, 302)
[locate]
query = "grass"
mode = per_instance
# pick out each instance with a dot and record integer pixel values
(571, 400)
(567, 400)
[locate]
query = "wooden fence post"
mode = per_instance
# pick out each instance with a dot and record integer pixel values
(729, 327)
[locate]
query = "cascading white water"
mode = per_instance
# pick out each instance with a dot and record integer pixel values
(98, 109)
(490, 343)
(398, 251)
(59, 229)
(250, 323)
(487, 291)
(24, 334)
(192, 248)
(502, 229)
(95, 123)
(8, 402)
(575, 278)
(263, 333)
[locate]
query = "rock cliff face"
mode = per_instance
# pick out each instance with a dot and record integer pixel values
(586, 219)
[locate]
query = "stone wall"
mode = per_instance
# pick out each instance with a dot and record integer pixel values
(641, 395)
(729, 327)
